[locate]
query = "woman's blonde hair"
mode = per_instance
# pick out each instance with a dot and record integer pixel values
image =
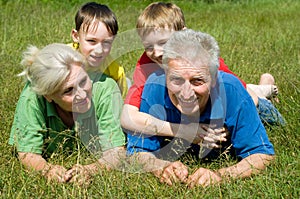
(160, 15)
(48, 67)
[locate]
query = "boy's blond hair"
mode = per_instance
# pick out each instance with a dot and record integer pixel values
(160, 15)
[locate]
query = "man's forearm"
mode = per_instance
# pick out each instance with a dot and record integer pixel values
(149, 162)
(250, 165)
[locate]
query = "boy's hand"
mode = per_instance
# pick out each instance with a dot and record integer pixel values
(210, 137)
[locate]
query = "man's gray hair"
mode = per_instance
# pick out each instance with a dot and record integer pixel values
(194, 47)
(47, 68)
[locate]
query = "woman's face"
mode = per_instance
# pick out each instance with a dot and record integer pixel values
(75, 93)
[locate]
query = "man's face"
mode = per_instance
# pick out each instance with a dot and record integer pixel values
(75, 93)
(94, 44)
(188, 86)
(154, 43)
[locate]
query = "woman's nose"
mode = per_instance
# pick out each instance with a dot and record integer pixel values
(81, 94)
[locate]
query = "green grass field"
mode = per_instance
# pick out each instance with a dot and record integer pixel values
(255, 36)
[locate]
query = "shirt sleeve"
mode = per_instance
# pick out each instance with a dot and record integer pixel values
(117, 72)
(29, 124)
(108, 106)
(248, 135)
(135, 91)
(151, 103)
(223, 67)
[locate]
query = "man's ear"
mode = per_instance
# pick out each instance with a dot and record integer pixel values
(75, 35)
(184, 28)
(48, 98)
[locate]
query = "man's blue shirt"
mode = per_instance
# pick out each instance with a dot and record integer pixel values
(229, 105)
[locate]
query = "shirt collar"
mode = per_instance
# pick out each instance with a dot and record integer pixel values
(51, 111)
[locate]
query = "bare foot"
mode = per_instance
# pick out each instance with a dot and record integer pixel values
(266, 79)
(266, 88)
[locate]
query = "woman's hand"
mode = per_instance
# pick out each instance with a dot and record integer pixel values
(57, 173)
(80, 174)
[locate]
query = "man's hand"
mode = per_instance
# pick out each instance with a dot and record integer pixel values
(174, 172)
(203, 177)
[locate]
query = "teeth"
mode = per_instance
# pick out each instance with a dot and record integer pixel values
(187, 101)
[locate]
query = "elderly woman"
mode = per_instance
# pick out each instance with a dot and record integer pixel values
(56, 106)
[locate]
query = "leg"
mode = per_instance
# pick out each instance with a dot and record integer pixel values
(266, 88)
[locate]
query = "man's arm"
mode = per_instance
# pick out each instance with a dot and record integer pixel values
(167, 172)
(250, 165)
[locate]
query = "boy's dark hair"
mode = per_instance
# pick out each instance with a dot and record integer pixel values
(94, 11)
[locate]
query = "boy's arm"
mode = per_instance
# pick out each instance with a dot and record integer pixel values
(136, 121)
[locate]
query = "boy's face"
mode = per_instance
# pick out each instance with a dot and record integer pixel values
(94, 44)
(154, 43)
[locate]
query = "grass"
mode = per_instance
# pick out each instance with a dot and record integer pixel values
(254, 37)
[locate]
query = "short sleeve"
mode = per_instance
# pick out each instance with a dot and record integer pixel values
(108, 105)
(27, 132)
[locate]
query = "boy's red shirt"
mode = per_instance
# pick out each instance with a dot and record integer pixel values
(144, 68)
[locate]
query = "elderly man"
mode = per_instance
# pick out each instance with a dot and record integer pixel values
(191, 90)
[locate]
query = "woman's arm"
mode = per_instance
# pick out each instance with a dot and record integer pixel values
(38, 163)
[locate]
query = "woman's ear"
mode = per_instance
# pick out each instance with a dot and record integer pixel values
(75, 35)
(48, 98)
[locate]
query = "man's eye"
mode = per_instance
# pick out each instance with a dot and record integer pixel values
(177, 81)
(197, 82)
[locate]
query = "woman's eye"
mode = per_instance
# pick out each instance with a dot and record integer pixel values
(83, 82)
(68, 91)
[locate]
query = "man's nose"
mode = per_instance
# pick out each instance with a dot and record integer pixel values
(187, 91)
